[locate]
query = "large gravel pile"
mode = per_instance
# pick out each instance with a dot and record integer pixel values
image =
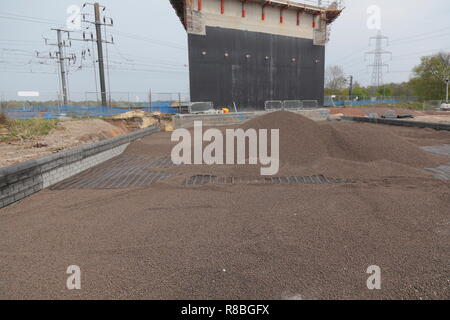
(338, 149)
(246, 241)
(304, 141)
(345, 150)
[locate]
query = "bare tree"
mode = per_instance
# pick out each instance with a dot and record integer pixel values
(335, 79)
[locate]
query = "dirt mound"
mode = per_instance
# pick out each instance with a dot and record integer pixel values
(304, 141)
(85, 131)
(368, 143)
(300, 138)
(137, 119)
(68, 134)
(346, 150)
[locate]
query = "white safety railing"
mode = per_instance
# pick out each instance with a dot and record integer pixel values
(293, 104)
(274, 105)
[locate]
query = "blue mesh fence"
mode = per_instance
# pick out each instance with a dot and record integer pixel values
(73, 111)
(339, 102)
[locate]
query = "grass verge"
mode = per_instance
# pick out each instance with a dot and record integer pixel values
(415, 105)
(3, 119)
(26, 129)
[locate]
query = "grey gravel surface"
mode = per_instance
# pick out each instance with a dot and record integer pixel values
(232, 241)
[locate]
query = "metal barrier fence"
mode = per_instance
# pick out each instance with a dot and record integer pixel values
(338, 4)
(293, 104)
(341, 101)
(48, 105)
(275, 105)
(310, 104)
(56, 112)
(74, 111)
(130, 100)
(432, 105)
(201, 107)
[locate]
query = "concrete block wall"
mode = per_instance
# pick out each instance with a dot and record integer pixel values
(19, 181)
(403, 123)
(186, 121)
(54, 176)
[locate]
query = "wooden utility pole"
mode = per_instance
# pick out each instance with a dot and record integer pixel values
(62, 67)
(98, 22)
(350, 93)
(101, 65)
(60, 56)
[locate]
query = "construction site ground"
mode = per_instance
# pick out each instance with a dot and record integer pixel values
(240, 238)
(70, 133)
(418, 115)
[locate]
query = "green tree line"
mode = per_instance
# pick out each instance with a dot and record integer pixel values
(426, 83)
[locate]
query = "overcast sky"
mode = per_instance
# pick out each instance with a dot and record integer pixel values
(415, 28)
(150, 44)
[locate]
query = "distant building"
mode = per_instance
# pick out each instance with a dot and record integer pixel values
(251, 51)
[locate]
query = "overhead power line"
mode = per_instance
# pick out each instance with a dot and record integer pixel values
(15, 40)
(27, 72)
(133, 58)
(145, 70)
(99, 22)
(421, 34)
(29, 17)
(26, 20)
(421, 39)
(403, 40)
(150, 40)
